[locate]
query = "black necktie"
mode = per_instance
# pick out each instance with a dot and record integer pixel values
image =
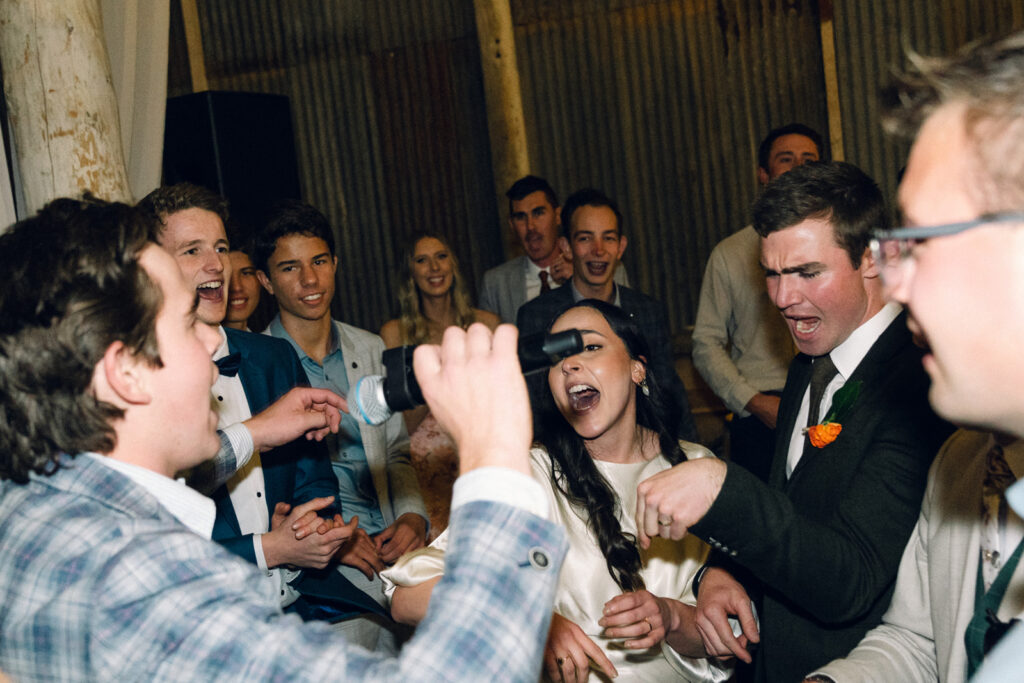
(544, 286)
(228, 365)
(822, 372)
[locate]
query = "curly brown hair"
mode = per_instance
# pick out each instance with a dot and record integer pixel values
(73, 286)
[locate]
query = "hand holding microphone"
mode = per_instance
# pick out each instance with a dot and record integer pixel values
(377, 397)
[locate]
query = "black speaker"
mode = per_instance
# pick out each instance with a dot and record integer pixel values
(238, 144)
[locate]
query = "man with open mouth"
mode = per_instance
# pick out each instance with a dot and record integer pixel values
(255, 371)
(820, 544)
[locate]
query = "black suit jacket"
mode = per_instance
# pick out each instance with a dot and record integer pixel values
(538, 314)
(824, 546)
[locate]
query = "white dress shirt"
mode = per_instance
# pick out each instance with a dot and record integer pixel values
(246, 487)
(532, 275)
(188, 506)
(846, 357)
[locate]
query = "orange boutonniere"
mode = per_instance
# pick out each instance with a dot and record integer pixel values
(825, 433)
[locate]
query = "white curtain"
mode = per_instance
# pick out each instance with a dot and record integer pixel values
(137, 34)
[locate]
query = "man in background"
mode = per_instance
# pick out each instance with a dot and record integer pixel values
(374, 477)
(254, 371)
(740, 343)
(595, 235)
(534, 217)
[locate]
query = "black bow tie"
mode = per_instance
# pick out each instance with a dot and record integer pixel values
(228, 365)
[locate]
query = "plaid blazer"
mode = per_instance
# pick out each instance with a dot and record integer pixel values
(100, 582)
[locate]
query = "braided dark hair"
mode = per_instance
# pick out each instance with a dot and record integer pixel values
(572, 469)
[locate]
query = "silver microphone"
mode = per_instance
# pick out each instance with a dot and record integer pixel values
(371, 406)
(378, 397)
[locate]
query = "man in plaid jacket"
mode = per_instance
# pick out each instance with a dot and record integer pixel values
(109, 573)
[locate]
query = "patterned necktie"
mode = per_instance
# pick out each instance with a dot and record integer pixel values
(544, 286)
(998, 477)
(994, 575)
(822, 372)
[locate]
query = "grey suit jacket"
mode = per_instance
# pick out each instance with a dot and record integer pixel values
(921, 637)
(504, 287)
(386, 445)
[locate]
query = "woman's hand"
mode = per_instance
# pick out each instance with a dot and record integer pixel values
(640, 616)
(569, 652)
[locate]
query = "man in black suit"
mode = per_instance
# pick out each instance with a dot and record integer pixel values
(593, 226)
(822, 540)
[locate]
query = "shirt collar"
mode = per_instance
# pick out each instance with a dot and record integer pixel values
(1015, 497)
(532, 268)
(191, 508)
(222, 349)
(848, 355)
(277, 329)
(577, 296)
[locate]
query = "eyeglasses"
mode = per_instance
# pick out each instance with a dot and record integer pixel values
(894, 249)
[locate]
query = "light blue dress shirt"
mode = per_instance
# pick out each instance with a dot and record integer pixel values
(356, 493)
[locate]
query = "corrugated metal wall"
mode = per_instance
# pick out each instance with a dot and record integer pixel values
(872, 35)
(390, 127)
(659, 102)
(662, 105)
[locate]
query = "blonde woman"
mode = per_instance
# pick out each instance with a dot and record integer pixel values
(432, 297)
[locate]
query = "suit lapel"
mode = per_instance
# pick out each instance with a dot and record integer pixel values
(517, 288)
(256, 385)
(249, 372)
(796, 384)
(374, 438)
(878, 357)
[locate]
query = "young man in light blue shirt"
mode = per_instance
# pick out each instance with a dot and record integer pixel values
(294, 253)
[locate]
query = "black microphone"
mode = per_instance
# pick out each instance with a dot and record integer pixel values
(378, 397)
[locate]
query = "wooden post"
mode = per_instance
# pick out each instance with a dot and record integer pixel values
(194, 41)
(61, 101)
(504, 102)
(828, 58)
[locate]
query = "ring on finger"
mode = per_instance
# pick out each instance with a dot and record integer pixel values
(664, 522)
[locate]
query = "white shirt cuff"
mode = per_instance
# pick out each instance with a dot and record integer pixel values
(241, 443)
(500, 485)
(257, 546)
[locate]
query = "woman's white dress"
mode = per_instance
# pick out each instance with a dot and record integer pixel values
(585, 585)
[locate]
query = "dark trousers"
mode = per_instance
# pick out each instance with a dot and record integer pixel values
(752, 445)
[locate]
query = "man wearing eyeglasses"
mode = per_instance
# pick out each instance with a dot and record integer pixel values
(959, 269)
(823, 539)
